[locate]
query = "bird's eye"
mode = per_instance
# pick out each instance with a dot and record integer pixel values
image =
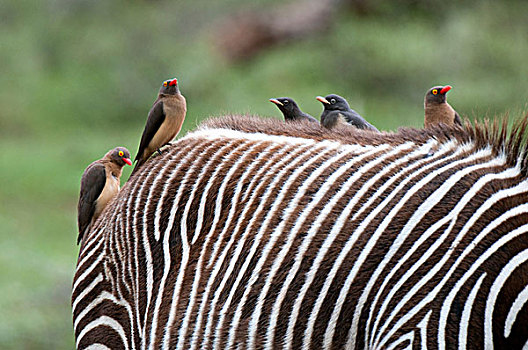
(164, 83)
(285, 102)
(121, 153)
(435, 92)
(332, 101)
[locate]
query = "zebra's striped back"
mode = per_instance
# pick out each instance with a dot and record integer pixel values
(253, 234)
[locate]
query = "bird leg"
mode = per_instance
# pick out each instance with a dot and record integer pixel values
(161, 149)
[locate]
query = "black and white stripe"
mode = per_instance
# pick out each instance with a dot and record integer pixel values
(236, 239)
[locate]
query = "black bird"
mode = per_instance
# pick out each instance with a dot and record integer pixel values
(437, 110)
(337, 111)
(164, 121)
(291, 110)
(99, 184)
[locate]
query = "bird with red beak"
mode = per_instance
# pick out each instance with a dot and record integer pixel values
(100, 183)
(164, 121)
(437, 110)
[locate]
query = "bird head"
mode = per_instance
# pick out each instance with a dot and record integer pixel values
(120, 156)
(333, 102)
(170, 87)
(437, 94)
(285, 104)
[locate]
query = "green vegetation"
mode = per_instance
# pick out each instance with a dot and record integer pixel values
(78, 78)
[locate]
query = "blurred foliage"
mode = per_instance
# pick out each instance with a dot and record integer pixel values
(78, 78)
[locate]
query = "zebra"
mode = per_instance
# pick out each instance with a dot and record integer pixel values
(252, 233)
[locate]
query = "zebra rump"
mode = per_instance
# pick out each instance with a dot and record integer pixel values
(253, 233)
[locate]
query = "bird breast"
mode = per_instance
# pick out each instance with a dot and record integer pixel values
(175, 109)
(175, 106)
(439, 113)
(333, 119)
(110, 190)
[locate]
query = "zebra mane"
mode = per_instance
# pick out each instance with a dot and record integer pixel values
(483, 134)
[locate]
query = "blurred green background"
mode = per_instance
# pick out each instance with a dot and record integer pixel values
(78, 78)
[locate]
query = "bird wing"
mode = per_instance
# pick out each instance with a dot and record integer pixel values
(92, 183)
(353, 117)
(458, 120)
(155, 118)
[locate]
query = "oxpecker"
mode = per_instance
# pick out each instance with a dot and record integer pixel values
(99, 184)
(437, 110)
(164, 121)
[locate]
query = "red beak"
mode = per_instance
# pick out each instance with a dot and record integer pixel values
(445, 89)
(173, 82)
(127, 160)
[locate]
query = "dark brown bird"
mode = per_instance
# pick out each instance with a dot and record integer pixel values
(99, 184)
(337, 111)
(437, 110)
(291, 110)
(164, 121)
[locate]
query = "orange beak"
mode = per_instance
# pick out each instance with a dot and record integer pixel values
(277, 102)
(322, 99)
(127, 160)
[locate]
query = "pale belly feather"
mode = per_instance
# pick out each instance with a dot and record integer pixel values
(171, 126)
(109, 191)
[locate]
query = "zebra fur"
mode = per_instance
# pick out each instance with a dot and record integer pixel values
(258, 234)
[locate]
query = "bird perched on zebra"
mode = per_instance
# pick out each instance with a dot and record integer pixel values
(337, 111)
(164, 121)
(291, 110)
(99, 184)
(253, 235)
(437, 110)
